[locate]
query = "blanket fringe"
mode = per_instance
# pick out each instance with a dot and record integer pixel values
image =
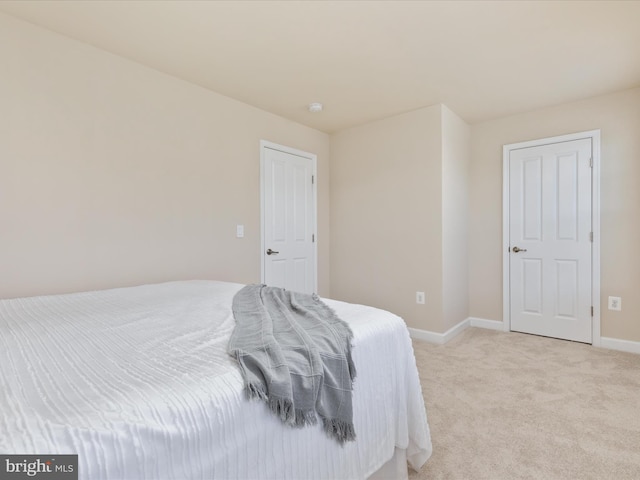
(339, 429)
(305, 417)
(283, 408)
(255, 391)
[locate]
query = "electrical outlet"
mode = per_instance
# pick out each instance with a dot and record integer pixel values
(615, 303)
(420, 298)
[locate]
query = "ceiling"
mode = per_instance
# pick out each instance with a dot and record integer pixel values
(366, 60)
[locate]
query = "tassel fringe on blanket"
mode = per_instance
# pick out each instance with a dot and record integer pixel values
(295, 355)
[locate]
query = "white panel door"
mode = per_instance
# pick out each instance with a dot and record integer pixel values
(550, 240)
(289, 221)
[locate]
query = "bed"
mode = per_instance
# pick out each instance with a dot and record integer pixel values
(137, 381)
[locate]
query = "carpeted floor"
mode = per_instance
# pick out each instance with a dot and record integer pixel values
(512, 406)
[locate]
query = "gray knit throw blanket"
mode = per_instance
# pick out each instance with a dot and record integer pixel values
(295, 354)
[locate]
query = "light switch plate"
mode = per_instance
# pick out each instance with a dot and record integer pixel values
(239, 231)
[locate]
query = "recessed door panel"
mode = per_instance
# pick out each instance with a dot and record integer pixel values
(301, 185)
(300, 272)
(532, 285)
(532, 199)
(567, 197)
(278, 202)
(567, 288)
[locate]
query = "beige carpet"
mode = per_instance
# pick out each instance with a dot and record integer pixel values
(510, 406)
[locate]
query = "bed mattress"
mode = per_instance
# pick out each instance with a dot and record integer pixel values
(137, 381)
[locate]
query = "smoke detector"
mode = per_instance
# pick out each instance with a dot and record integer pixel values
(315, 107)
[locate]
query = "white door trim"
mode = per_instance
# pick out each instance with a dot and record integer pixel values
(594, 135)
(264, 144)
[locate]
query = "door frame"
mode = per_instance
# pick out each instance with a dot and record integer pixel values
(594, 135)
(264, 144)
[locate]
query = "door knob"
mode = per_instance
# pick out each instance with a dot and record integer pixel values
(272, 252)
(516, 249)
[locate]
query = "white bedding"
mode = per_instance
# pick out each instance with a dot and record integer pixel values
(138, 383)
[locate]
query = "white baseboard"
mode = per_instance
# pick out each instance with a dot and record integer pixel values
(622, 345)
(442, 338)
(426, 335)
(455, 330)
(484, 323)
(439, 338)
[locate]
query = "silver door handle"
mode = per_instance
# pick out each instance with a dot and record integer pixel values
(272, 252)
(516, 249)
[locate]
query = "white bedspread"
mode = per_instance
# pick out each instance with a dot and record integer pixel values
(138, 383)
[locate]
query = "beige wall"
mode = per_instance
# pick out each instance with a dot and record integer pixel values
(399, 212)
(386, 215)
(456, 138)
(115, 174)
(618, 117)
